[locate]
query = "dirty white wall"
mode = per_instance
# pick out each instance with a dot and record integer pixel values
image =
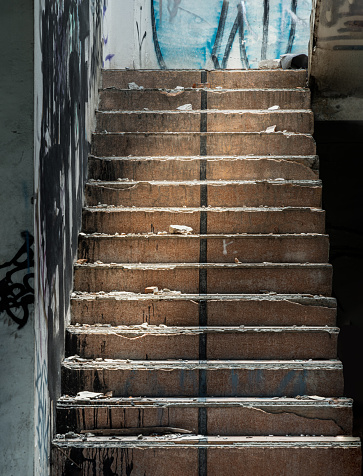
(336, 59)
(207, 34)
(337, 87)
(16, 238)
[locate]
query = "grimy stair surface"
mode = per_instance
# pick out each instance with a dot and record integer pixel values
(228, 366)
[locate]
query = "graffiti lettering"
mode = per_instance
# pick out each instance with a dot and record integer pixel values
(17, 292)
(208, 34)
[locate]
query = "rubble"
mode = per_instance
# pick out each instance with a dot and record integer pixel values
(185, 107)
(180, 229)
(135, 86)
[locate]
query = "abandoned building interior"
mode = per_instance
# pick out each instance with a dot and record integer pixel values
(182, 237)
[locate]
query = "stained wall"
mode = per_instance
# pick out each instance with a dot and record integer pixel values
(67, 48)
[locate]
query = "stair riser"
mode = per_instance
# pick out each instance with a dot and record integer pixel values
(224, 195)
(239, 221)
(189, 169)
(173, 144)
(227, 79)
(223, 421)
(150, 249)
(232, 346)
(234, 280)
(154, 100)
(216, 122)
(171, 461)
(177, 382)
(186, 312)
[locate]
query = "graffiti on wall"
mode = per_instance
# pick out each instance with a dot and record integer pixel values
(16, 287)
(206, 34)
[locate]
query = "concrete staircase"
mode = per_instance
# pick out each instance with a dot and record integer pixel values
(228, 366)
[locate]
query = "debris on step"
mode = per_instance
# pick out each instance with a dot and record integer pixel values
(236, 260)
(88, 395)
(151, 290)
(271, 129)
(135, 86)
(82, 261)
(269, 64)
(294, 61)
(185, 107)
(140, 432)
(273, 108)
(180, 229)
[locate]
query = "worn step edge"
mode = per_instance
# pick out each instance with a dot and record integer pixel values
(162, 330)
(204, 111)
(66, 401)
(307, 236)
(123, 183)
(211, 158)
(170, 266)
(205, 134)
(208, 441)
(303, 299)
(262, 208)
(298, 90)
(76, 362)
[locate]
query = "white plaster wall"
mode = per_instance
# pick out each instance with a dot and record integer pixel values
(16, 210)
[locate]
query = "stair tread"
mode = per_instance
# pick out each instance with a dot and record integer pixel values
(301, 401)
(262, 208)
(161, 266)
(197, 133)
(126, 182)
(177, 330)
(97, 235)
(216, 90)
(205, 111)
(309, 299)
(199, 440)
(205, 157)
(76, 362)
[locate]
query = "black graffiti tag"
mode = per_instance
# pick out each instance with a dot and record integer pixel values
(16, 297)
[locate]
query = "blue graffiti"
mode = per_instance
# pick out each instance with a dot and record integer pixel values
(198, 35)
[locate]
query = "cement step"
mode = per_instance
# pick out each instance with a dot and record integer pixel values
(214, 121)
(224, 416)
(223, 278)
(178, 378)
(179, 455)
(226, 343)
(218, 193)
(173, 309)
(141, 248)
(197, 143)
(216, 168)
(230, 99)
(113, 220)
(232, 79)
